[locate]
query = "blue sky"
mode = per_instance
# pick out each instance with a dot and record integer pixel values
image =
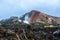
(10, 8)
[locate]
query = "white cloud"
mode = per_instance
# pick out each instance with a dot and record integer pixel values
(24, 4)
(10, 7)
(36, 3)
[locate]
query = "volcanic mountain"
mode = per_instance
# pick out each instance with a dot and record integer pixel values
(37, 16)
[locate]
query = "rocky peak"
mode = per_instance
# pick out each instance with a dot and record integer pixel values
(36, 16)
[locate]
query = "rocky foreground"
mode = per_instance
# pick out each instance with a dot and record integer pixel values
(29, 32)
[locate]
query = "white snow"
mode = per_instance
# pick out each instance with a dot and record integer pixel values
(23, 21)
(26, 22)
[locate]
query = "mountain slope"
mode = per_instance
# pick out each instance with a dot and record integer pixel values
(36, 16)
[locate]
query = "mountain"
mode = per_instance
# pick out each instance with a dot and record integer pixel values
(33, 16)
(37, 16)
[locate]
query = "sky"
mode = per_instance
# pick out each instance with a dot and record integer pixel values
(10, 8)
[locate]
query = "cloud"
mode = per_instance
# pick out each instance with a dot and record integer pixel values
(15, 7)
(28, 4)
(36, 3)
(47, 6)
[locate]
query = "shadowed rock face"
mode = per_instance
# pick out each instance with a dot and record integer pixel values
(36, 16)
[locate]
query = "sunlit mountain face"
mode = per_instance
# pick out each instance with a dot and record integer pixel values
(36, 16)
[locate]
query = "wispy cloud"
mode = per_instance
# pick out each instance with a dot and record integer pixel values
(48, 6)
(38, 3)
(29, 3)
(15, 7)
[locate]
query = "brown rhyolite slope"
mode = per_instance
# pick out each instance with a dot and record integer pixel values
(36, 16)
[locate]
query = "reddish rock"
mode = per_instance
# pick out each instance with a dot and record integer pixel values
(36, 16)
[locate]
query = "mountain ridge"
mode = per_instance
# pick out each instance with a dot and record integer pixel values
(38, 16)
